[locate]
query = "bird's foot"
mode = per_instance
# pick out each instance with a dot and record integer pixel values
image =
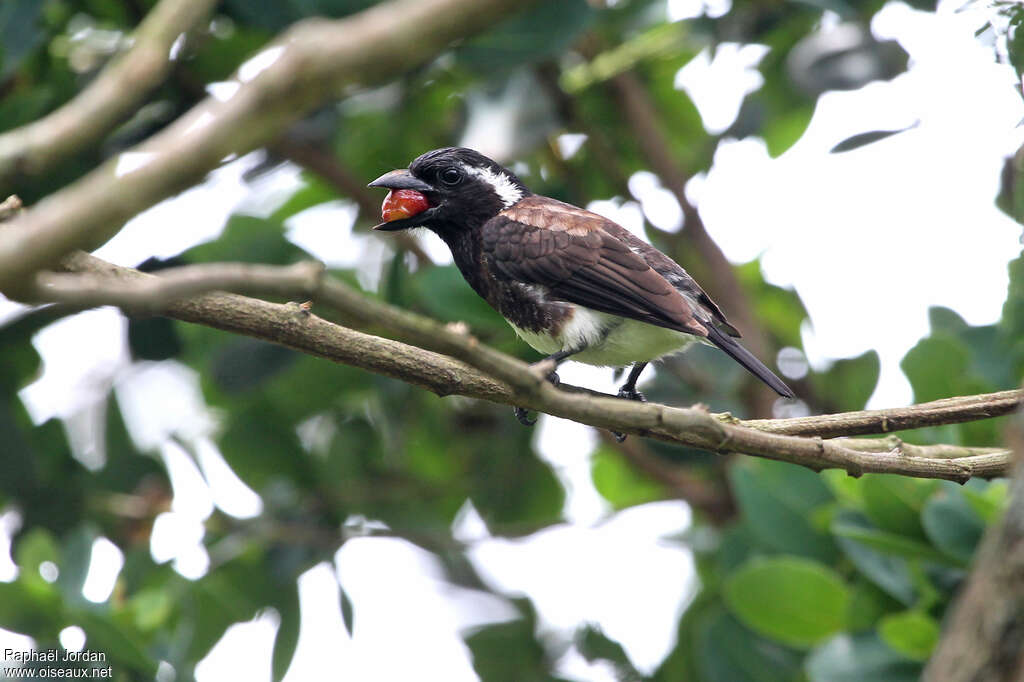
(546, 369)
(523, 415)
(630, 393)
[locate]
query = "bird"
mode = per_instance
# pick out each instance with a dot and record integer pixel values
(571, 283)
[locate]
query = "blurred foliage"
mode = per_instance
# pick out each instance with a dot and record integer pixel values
(814, 577)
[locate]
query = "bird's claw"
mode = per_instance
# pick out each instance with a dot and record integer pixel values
(523, 415)
(628, 393)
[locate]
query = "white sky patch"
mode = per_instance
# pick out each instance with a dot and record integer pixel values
(105, 563)
(244, 652)
(259, 63)
(503, 185)
(192, 495)
(658, 204)
(678, 10)
(569, 144)
(718, 86)
(399, 594)
(323, 644)
(229, 492)
(179, 537)
(163, 399)
(72, 638)
(10, 523)
(222, 91)
(74, 380)
(567, 571)
(129, 162)
(270, 190)
(196, 215)
(567, 446)
(325, 231)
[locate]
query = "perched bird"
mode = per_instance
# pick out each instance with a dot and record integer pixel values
(570, 282)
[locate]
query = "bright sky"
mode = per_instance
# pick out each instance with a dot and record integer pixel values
(867, 271)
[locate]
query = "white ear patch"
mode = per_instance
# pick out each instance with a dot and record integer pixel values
(502, 185)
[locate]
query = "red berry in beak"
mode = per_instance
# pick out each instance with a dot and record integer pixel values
(403, 203)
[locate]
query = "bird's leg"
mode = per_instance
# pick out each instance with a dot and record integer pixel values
(629, 392)
(553, 361)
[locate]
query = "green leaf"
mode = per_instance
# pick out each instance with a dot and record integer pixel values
(848, 383)
(990, 503)
(793, 600)
(890, 543)
(540, 32)
(889, 572)
(75, 557)
(867, 604)
(121, 643)
(509, 652)
(911, 633)
(863, 139)
(621, 484)
(287, 605)
(728, 652)
(952, 524)
(859, 658)
(894, 502)
(777, 500)
(783, 131)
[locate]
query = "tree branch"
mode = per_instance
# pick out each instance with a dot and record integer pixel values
(311, 62)
(984, 635)
(482, 372)
(111, 96)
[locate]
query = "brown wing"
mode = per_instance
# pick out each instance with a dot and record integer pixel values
(565, 249)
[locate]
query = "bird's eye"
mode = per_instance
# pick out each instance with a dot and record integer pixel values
(451, 176)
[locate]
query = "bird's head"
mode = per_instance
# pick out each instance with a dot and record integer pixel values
(447, 189)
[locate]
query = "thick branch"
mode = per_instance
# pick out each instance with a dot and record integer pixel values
(151, 295)
(111, 96)
(984, 636)
(507, 380)
(313, 61)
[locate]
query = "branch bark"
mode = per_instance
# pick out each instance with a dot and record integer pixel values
(108, 99)
(984, 637)
(311, 62)
(481, 372)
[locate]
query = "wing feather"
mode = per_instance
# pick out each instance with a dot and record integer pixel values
(579, 262)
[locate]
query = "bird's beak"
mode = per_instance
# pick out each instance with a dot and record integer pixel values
(398, 180)
(401, 179)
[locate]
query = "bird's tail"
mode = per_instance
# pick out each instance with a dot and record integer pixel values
(749, 362)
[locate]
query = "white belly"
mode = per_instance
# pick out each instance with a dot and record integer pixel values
(610, 341)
